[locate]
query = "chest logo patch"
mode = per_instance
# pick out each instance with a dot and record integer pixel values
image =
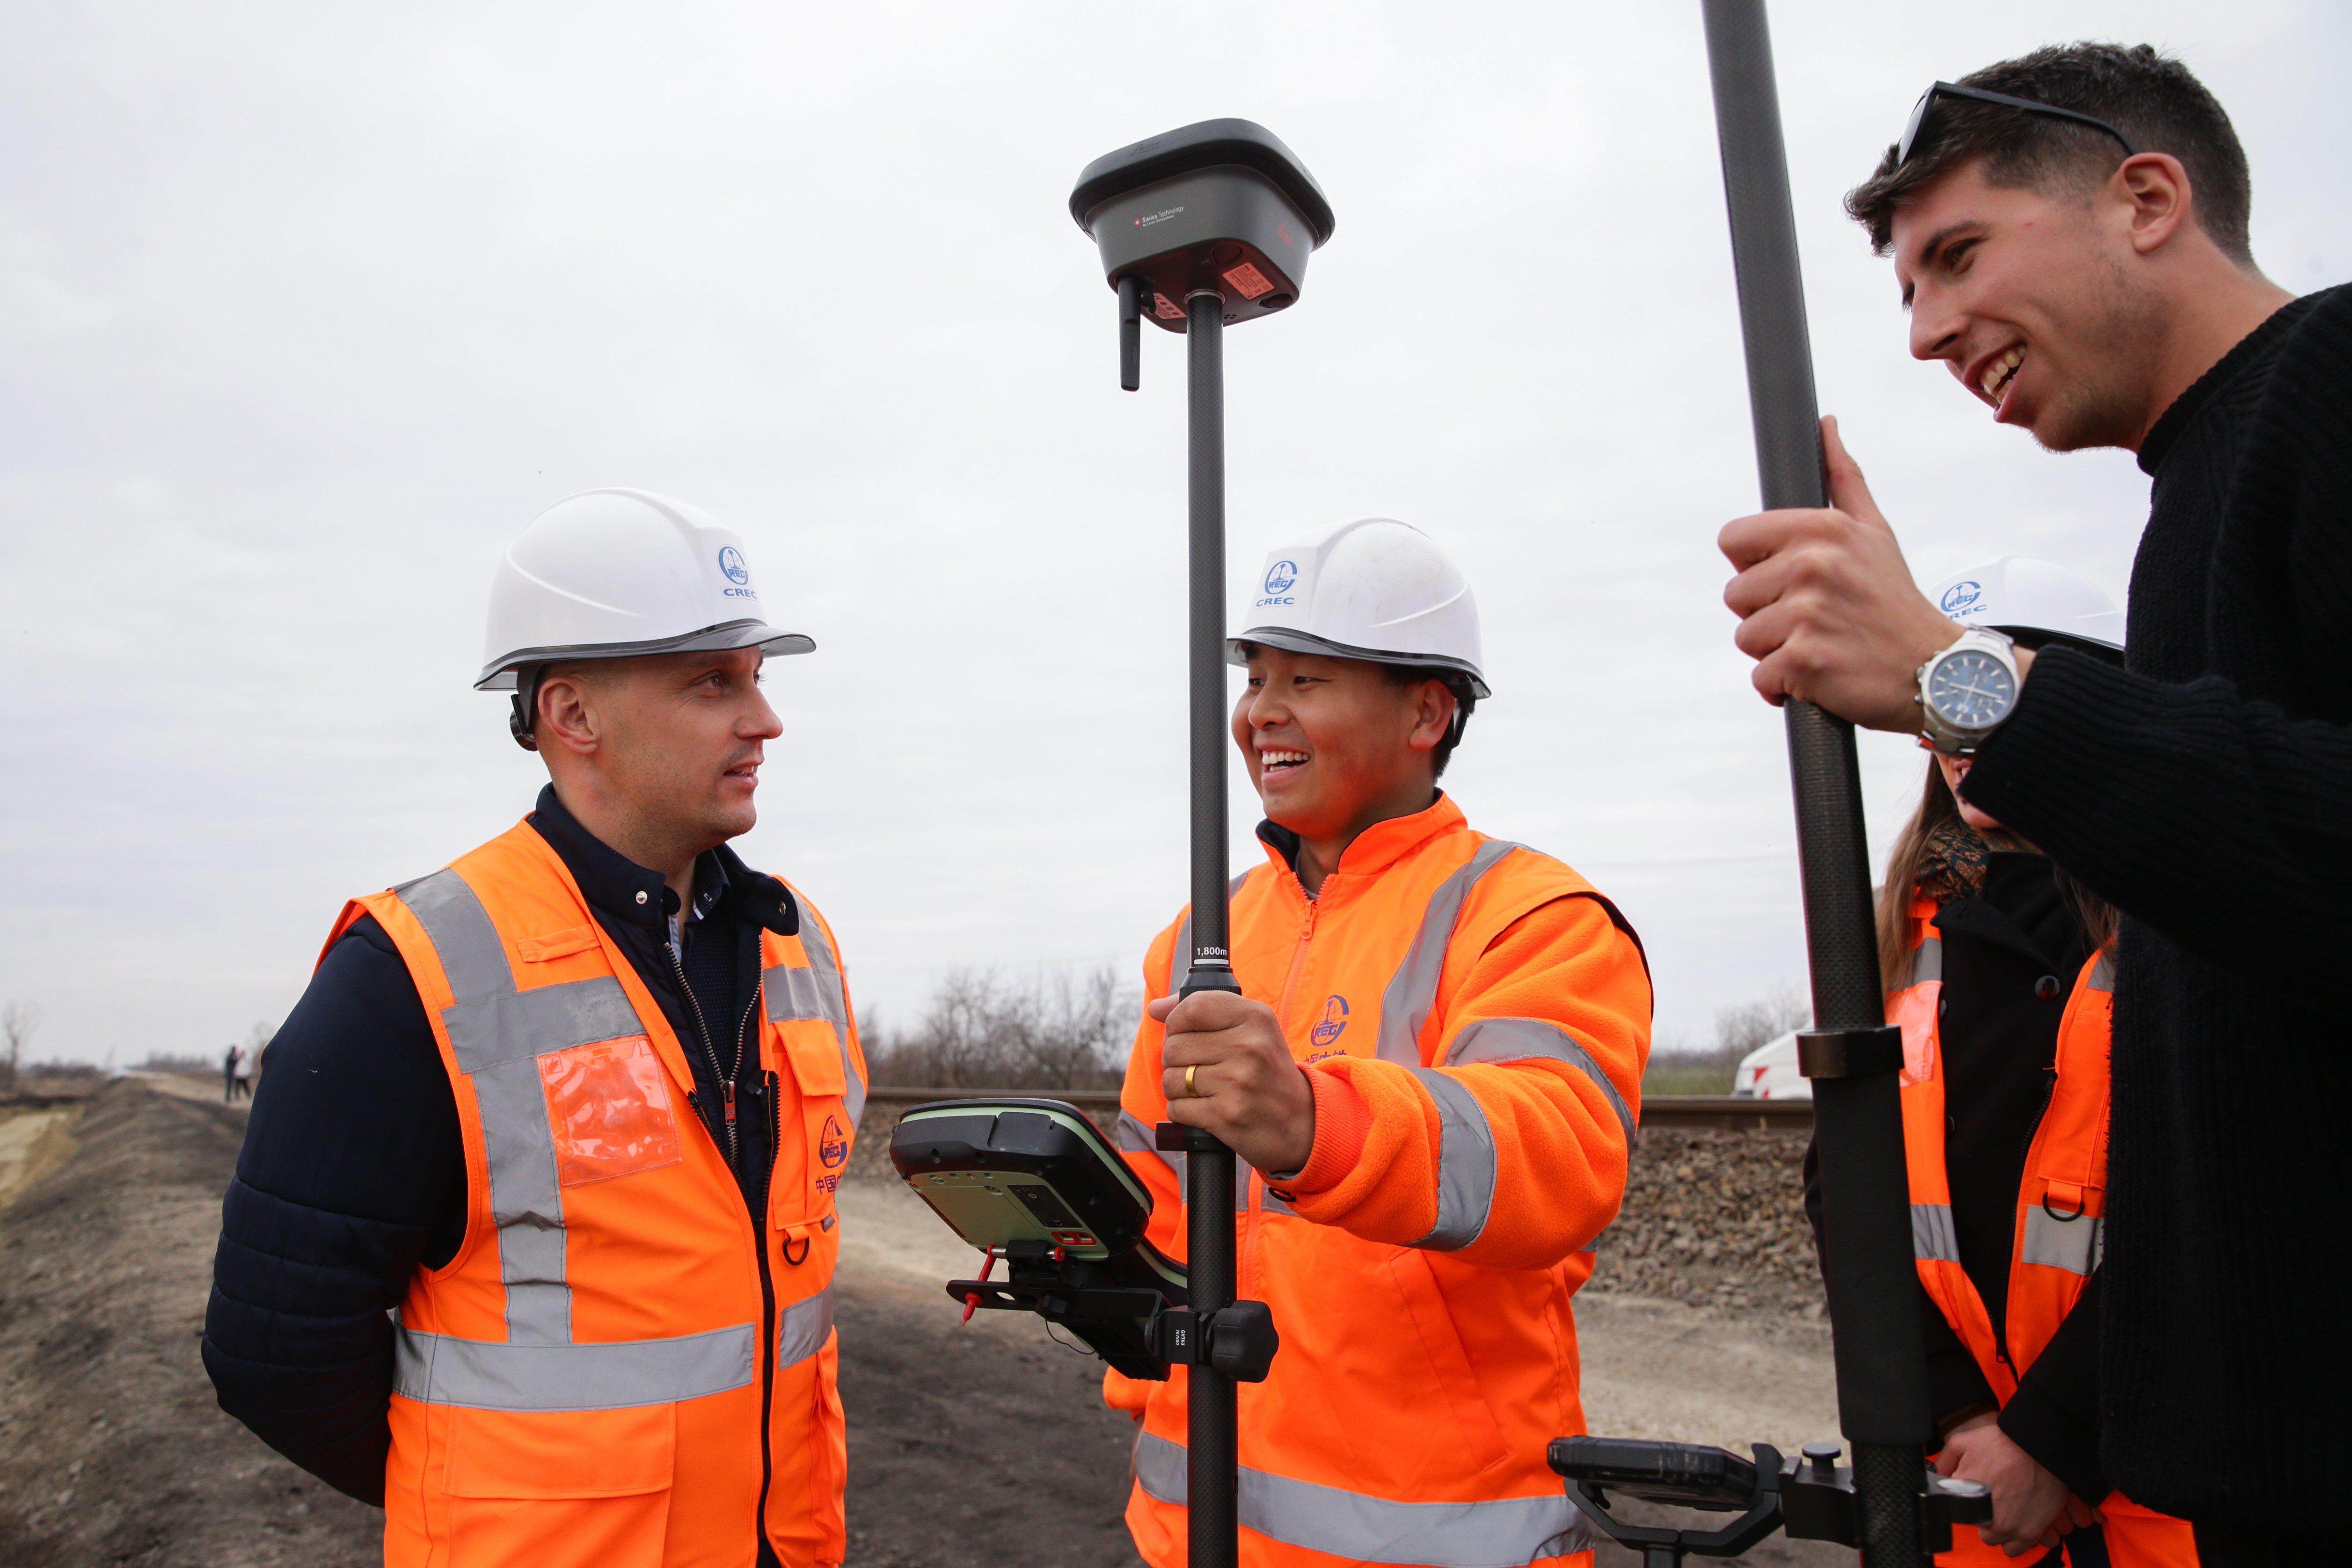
(1334, 1020)
(832, 1144)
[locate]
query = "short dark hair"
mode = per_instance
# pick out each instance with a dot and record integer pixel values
(2152, 98)
(1453, 681)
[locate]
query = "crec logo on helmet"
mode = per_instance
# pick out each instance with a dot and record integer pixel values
(1962, 597)
(1279, 579)
(731, 563)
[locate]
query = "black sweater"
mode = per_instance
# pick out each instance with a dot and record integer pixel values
(353, 1175)
(2207, 790)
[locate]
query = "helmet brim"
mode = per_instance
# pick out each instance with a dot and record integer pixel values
(499, 675)
(2039, 637)
(1296, 642)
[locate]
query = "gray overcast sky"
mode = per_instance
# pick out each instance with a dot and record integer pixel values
(305, 311)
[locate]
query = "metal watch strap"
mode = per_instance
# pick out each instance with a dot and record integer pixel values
(1933, 729)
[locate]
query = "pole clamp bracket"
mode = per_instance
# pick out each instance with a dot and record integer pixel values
(1237, 1340)
(1850, 1053)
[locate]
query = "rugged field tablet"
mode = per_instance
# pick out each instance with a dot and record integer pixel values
(1036, 1183)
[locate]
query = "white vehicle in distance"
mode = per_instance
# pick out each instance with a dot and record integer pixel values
(1770, 1072)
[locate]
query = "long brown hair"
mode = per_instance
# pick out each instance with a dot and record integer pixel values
(1908, 859)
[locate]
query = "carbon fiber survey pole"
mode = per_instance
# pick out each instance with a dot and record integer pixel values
(1857, 1115)
(1210, 1516)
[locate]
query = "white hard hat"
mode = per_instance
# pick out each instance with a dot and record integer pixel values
(609, 574)
(1375, 589)
(2035, 602)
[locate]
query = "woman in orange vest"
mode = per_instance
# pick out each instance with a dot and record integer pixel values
(1433, 1075)
(1996, 970)
(573, 1108)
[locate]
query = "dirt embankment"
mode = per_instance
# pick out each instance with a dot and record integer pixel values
(111, 1449)
(968, 1443)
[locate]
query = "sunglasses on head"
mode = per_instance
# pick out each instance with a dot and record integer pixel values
(1910, 142)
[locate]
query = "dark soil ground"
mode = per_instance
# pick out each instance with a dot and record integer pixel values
(966, 1444)
(111, 1449)
(986, 1443)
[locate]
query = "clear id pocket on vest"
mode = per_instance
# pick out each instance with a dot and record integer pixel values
(608, 1108)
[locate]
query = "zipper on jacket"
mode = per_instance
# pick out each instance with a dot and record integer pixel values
(1298, 966)
(711, 1052)
(768, 1328)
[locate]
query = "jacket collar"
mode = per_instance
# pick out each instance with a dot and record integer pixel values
(621, 891)
(1375, 849)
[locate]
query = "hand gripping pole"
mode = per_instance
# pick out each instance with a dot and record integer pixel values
(1857, 1115)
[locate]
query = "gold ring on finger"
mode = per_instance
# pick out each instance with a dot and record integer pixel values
(1192, 1089)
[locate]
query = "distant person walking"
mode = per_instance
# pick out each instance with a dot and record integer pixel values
(241, 1074)
(229, 1073)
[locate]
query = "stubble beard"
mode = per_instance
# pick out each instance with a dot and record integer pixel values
(2120, 342)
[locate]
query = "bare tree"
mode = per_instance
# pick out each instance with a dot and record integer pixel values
(984, 1032)
(1740, 1030)
(19, 1021)
(1677, 1067)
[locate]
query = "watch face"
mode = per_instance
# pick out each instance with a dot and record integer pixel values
(1971, 690)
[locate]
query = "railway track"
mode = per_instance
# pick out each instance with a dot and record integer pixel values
(884, 1103)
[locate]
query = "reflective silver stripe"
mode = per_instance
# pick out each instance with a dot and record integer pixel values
(2075, 1245)
(498, 1034)
(1932, 1235)
(440, 1369)
(1504, 1532)
(1413, 990)
(1495, 1040)
(491, 1020)
(2103, 973)
(1274, 1204)
(814, 994)
(526, 1201)
(1465, 1164)
(803, 1328)
(1927, 962)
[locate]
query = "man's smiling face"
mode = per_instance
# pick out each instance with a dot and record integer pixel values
(1334, 744)
(2031, 299)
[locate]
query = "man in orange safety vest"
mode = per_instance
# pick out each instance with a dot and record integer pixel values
(1432, 1073)
(573, 1108)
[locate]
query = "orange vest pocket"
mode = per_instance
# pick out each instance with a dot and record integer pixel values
(1476, 1441)
(816, 1060)
(561, 1489)
(562, 1453)
(608, 1108)
(558, 944)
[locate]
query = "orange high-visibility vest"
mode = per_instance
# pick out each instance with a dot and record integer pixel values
(1484, 1021)
(2061, 1213)
(618, 1369)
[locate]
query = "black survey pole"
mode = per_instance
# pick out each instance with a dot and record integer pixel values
(1211, 1512)
(1851, 1055)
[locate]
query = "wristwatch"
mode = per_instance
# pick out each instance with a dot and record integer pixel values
(1965, 691)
